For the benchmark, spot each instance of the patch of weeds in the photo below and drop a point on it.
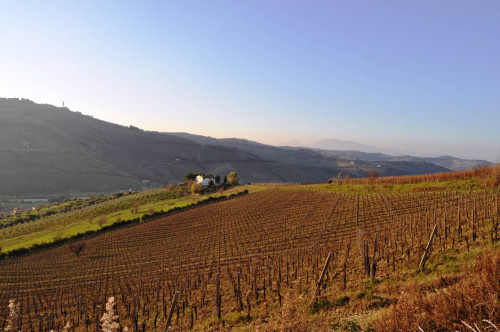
(372, 283)
(341, 301)
(325, 304)
(468, 256)
(362, 295)
(350, 325)
(445, 263)
(212, 321)
(379, 302)
(367, 292)
(447, 259)
(422, 273)
(234, 318)
(439, 283)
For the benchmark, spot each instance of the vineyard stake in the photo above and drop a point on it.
(217, 296)
(317, 291)
(171, 313)
(425, 256)
(240, 302)
(344, 266)
(40, 326)
(374, 261)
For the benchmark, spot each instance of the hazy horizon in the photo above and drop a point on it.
(419, 77)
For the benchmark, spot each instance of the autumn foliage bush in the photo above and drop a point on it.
(443, 307)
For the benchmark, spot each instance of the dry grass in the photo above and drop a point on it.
(293, 316)
(442, 306)
(491, 178)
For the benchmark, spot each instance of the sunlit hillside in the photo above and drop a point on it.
(350, 255)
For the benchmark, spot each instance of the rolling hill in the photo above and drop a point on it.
(47, 150)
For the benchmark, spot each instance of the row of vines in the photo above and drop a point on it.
(238, 256)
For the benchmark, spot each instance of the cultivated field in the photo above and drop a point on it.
(69, 218)
(256, 261)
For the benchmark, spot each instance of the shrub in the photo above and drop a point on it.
(195, 188)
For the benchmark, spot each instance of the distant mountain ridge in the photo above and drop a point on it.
(448, 162)
(452, 163)
(46, 150)
(356, 151)
(337, 144)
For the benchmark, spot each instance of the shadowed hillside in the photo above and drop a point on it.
(356, 165)
(51, 150)
(46, 149)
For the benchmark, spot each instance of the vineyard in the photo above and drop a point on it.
(278, 259)
(67, 219)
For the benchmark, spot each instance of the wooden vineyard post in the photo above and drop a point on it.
(240, 302)
(357, 212)
(374, 259)
(363, 248)
(317, 291)
(474, 236)
(171, 313)
(496, 221)
(459, 230)
(40, 325)
(255, 282)
(217, 296)
(445, 228)
(344, 266)
(97, 325)
(425, 256)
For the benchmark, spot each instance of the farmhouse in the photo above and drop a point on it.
(204, 180)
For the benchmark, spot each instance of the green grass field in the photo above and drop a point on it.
(353, 187)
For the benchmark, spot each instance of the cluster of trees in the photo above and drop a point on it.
(191, 185)
(214, 183)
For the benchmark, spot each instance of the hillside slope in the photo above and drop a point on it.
(346, 163)
(46, 149)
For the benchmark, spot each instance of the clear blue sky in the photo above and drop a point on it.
(421, 75)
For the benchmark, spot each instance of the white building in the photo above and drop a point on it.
(203, 180)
